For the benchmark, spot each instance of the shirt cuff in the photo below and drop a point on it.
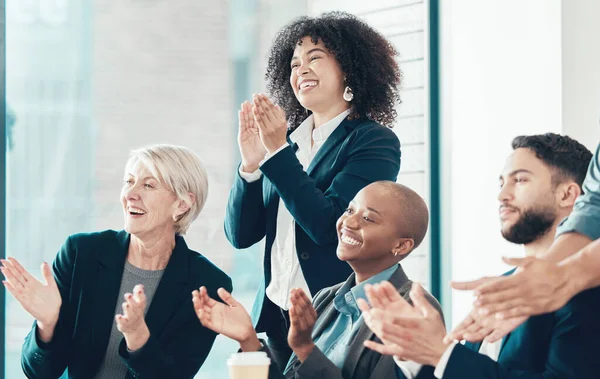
(270, 155)
(250, 177)
(441, 366)
(410, 369)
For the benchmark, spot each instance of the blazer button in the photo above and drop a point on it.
(304, 256)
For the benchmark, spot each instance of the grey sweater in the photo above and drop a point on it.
(112, 366)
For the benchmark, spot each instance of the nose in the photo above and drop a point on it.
(132, 193)
(350, 221)
(506, 193)
(303, 69)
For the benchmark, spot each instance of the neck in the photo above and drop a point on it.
(328, 113)
(367, 269)
(152, 252)
(542, 244)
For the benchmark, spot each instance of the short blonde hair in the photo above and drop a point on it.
(182, 171)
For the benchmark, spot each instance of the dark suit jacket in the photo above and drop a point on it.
(356, 154)
(564, 344)
(361, 363)
(88, 270)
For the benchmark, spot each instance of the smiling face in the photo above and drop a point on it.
(149, 207)
(316, 77)
(369, 232)
(528, 204)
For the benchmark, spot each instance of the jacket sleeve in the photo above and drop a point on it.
(585, 218)
(373, 155)
(49, 360)
(179, 357)
(245, 214)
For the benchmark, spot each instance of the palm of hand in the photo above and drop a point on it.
(251, 146)
(40, 300)
(231, 321)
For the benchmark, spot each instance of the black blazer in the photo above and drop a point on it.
(357, 153)
(361, 362)
(564, 344)
(88, 270)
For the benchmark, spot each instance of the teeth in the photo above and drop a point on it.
(136, 210)
(304, 85)
(349, 240)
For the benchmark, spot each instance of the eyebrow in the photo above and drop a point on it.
(146, 178)
(310, 52)
(515, 172)
(373, 210)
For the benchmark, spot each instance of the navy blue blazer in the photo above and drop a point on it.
(88, 271)
(563, 344)
(356, 154)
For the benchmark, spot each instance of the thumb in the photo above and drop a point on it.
(227, 298)
(518, 261)
(48, 275)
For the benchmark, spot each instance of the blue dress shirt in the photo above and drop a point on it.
(337, 337)
(585, 218)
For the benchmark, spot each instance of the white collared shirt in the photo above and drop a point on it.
(286, 272)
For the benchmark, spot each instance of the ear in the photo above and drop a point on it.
(183, 207)
(403, 247)
(567, 193)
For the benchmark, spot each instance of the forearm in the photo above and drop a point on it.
(245, 214)
(566, 245)
(583, 268)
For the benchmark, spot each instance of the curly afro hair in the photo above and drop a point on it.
(365, 56)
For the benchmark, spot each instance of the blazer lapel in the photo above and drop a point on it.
(333, 141)
(111, 263)
(171, 290)
(402, 284)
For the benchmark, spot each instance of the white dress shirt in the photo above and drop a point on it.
(286, 272)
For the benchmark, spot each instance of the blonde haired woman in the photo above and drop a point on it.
(116, 304)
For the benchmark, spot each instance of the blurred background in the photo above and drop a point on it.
(86, 81)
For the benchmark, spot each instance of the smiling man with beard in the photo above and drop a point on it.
(539, 184)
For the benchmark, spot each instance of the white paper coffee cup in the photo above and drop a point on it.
(250, 365)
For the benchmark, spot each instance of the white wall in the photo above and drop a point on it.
(581, 70)
(500, 77)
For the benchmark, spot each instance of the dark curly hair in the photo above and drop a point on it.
(365, 56)
(567, 157)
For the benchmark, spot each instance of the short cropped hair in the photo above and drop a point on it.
(568, 159)
(182, 171)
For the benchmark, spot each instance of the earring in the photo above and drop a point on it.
(395, 253)
(348, 95)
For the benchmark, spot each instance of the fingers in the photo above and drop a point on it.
(225, 296)
(388, 292)
(374, 297)
(12, 276)
(384, 349)
(139, 296)
(504, 283)
(363, 305)
(417, 295)
(504, 328)
(470, 285)
(500, 302)
(457, 333)
(48, 275)
(517, 311)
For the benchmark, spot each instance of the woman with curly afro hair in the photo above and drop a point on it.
(322, 135)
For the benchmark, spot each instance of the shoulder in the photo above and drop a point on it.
(204, 272)
(368, 133)
(93, 238)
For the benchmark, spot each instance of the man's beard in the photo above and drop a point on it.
(531, 225)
